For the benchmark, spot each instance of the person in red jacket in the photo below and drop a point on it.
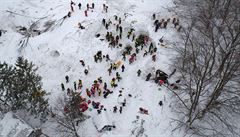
(161, 82)
(83, 107)
(93, 91)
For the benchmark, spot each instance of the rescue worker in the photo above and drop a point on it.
(154, 57)
(88, 92)
(62, 85)
(105, 86)
(139, 72)
(114, 109)
(120, 110)
(104, 22)
(118, 77)
(86, 71)
(110, 71)
(79, 84)
(82, 62)
(154, 16)
(123, 68)
(99, 92)
(160, 103)
(148, 76)
(113, 83)
(85, 13)
(75, 85)
(79, 5)
(107, 58)
(100, 80)
(67, 78)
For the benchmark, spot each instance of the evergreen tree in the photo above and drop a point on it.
(21, 88)
(29, 88)
(6, 83)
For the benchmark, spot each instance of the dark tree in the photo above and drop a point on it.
(209, 66)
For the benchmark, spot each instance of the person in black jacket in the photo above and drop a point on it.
(148, 77)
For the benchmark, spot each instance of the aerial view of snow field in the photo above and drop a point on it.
(119, 68)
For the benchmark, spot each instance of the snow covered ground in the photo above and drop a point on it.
(74, 44)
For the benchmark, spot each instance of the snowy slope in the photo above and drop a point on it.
(74, 44)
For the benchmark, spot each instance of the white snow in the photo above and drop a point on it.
(74, 44)
(11, 126)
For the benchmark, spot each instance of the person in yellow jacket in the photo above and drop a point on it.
(113, 83)
(99, 92)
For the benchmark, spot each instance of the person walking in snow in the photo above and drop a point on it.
(115, 109)
(69, 14)
(86, 71)
(145, 53)
(154, 58)
(124, 102)
(155, 22)
(113, 83)
(137, 50)
(106, 93)
(115, 17)
(160, 103)
(88, 6)
(139, 72)
(95, 58)
(107, 58)
(99, 92)
(105, 86)
(150, 47)
(62, 86)
(72, 3)
(154, 16)
(120, 110)
(110, 71)
(114, 66)
(118, 77)
(75, 85)
(93, 91)
(165, 24)
(106, 9)
(117, 27)
(104, 22)
(92, 5)
(148, 77)
(133, 37)
(120, 29)
(119, 20)
(79, 84)
(117, 39)
(79, 5)
(88, 93)
(131, 60)
(82, 62)
(123, 68)
(124, 56)
(68, 91)
(100, 80)
(72, 8)
(157, 26)
(67, 78)
(85, 13)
